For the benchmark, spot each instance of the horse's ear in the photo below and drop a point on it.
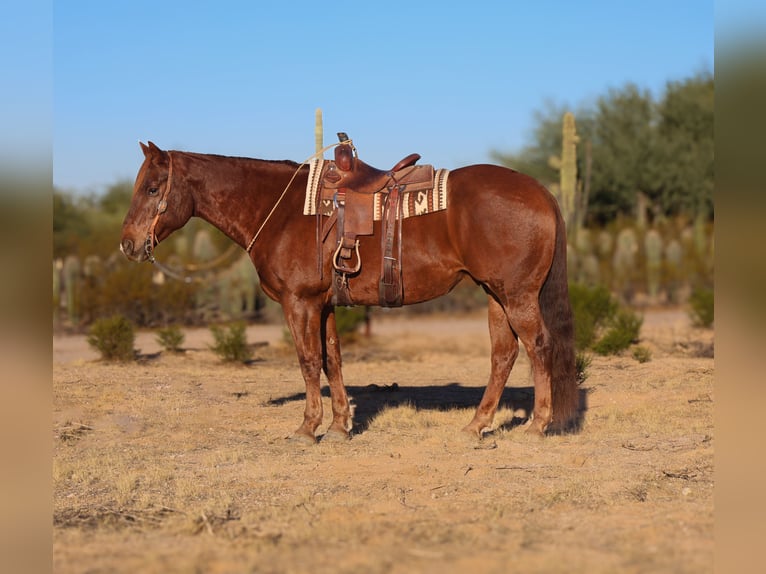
(153, 153)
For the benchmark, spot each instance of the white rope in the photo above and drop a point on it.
(289, 183)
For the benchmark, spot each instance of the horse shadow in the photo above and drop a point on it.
(369, 401)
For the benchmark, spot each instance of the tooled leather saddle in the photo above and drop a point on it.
(360, 194)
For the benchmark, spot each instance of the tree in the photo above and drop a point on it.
(623, 147)
(640, 148)
(686, 146)
(69, 224)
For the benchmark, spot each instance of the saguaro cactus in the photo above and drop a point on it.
(568, 173)
(674, 256)
(566, 164)
(624, 262)
(318, 131)
(653, 247)
(72, 287)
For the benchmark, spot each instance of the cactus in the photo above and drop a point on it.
(568, 171)
(204, 249)
(91, 267)
(590, 270)
(58, 264)
(624, 262)
(566, 165)
(604, 247)
(653, 248)
(318, 131)
(674, 255)
(72, 288)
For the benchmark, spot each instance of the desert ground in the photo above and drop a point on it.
(181, 463)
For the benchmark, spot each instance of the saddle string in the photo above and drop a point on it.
(289, 183)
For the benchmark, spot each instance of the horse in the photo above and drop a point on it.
(501, 228)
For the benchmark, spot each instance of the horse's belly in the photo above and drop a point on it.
(430, 266)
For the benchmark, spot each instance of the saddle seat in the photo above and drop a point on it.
(349, 172)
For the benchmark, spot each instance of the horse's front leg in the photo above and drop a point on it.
(304, 319)
(341, 410)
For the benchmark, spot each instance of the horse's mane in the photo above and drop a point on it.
(213, 156)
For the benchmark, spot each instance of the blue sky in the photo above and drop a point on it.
(449, 80)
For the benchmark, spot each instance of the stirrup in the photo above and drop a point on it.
(343, 268)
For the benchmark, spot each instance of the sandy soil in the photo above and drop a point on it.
(179, 463)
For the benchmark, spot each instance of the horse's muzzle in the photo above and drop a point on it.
(128, 247)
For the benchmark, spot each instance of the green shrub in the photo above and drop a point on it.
(231, 343)
(642, 354)
(600, 323)
(622, 332)
(702, 307)
(591, 307)
(582, 364)
(170, 338)
(348, 319)
(113, 337)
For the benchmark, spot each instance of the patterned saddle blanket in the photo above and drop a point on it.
(418, 198)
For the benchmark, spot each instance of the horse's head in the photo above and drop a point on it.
(158, 206)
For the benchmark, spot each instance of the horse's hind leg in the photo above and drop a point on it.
(505, 349)
(341, 410)
(527, 321)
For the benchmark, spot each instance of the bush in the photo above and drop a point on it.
(348, 319)
(702, 307)
(591, 307)
(600, 323)
(113, 337)
(582, 364)
(642, 354)
(622, 333)
(231, 343)
(170, 338)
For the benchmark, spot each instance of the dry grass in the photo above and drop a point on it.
(181, 464)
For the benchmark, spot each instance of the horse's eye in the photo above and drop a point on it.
(152, 191)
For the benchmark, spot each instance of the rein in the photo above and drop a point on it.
(162, 206)
(289, 183)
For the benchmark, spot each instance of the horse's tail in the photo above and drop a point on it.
(557, 314)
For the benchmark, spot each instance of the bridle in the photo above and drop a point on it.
(162, 206)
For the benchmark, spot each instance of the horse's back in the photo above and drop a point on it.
(477, 185)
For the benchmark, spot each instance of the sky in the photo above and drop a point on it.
(452, 81)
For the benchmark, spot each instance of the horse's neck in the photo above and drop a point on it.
(239, 193)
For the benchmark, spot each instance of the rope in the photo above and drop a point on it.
(289, 183)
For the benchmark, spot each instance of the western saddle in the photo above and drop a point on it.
(352, 185)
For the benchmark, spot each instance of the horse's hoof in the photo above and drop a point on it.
(336, 435)
(299, 437)
(470, 436)
(536, 429)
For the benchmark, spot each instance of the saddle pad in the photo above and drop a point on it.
(416, 202)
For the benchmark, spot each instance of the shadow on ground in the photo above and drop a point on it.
(371, 400)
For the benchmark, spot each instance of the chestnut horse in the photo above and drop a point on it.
(501, 228)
